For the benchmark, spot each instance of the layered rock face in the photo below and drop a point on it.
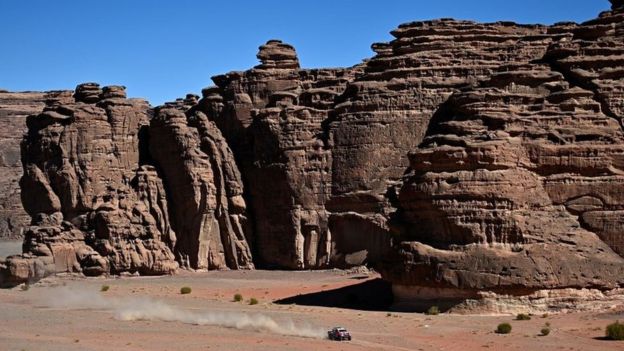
(386, 111)
(461, 158)
(205, 190)
(95, 206)
(273, 117)
(517, 185)
(14, 108)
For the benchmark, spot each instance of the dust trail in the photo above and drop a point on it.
(132, 309)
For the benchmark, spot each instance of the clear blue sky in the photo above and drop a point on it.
(161, 50)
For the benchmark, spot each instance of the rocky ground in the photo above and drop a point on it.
(52, 315)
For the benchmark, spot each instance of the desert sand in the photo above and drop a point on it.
(70, 313)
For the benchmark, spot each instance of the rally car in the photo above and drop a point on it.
(338, 334)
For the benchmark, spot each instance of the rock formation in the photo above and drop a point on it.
(14, 108)
(95, 206)
(273, 117)
(517, 185)
(205, 190)
(461, 158)
(385, 112)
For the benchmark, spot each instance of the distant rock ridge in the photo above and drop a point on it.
(462, 157)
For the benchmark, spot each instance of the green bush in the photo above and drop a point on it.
(253, 301)
(523, 317)
(185, 290)
(545, 331)
(615, 331)
(433, 311)
(238, 297)
(104, 288)
(503, 328)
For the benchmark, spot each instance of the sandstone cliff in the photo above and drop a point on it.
(14, 108)
(205, 190)
(517, 185)
(462, 157)
(273, 116)
(95, 207)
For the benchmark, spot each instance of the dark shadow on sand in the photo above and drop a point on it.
(371, 295)
(603, 338)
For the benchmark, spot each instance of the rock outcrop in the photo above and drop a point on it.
(96, 207)
(464, 160)
(14, 108)
(205, 190)
(385, 112)
(273, 117)
(517, 185)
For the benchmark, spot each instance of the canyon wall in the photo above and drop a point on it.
(462, 157)
(517, 185)
(14, 108)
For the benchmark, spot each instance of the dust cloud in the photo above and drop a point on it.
(133, 309)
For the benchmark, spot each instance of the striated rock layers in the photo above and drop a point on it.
(273, 117)
(114, 186)
(14, 108)
(461, 158)
(517, 185)
(205, 190)
(96, 207)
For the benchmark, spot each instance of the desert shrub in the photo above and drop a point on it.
(388, 314)
(523, 317)
(238, 297)
(545, 331)
(433, 310)
(25, 287)
(545, 315)
(104, 288)
(615, 331)
(185, 290)
(503, 328)
(253, 301)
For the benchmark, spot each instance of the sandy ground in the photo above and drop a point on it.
(29, 320)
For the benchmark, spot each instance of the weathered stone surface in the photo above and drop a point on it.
(277, 55)
(517, 185)
(386, 111)
(463, 157)
(14, 108)
(95, 209)
(205, 190)
(274, 118)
